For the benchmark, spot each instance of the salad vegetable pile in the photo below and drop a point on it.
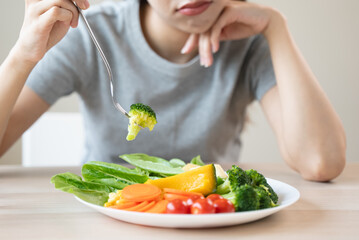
(157, 185)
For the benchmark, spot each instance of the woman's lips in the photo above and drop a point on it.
(196, 8)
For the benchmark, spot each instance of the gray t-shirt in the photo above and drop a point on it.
(200, 111)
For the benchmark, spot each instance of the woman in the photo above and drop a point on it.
(198, 64)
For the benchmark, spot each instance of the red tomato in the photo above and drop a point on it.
(223, 206)
(214, 196)
(202, 206)
(177, 206)
(193, 198)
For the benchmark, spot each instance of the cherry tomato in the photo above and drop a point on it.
(223, 206)
(214, 196)
(177, 206)
(203, 206)
(193, 198)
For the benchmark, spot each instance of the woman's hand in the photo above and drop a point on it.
(238, 20)
(45, 23)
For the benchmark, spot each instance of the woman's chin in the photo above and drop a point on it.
(196, 28)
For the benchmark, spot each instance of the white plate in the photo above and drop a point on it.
(286, 193)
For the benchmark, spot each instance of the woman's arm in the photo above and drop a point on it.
(310, 134)
(45, 23)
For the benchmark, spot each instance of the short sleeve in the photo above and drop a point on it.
(260, 68)
(63, 68)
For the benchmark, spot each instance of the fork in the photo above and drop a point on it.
(92, 35)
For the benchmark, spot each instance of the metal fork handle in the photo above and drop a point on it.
(92, 35)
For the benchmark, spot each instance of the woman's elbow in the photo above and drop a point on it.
(323, 167)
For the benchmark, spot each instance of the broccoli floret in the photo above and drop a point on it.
(244, 198)
(236, 178)
(248, 190)
(264, 199)
(140, 115)
(259, 180)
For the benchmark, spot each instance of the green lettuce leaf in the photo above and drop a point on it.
(197, 161)
(152, 164)
(95, 193)
(176, 162)
(112, 174)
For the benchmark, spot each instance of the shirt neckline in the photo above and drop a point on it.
(152, 58)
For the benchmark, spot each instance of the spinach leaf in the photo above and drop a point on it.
(151, 164)
(176, 162)
(145, 157)
(197, 161)
(95, 193)
(112, 174)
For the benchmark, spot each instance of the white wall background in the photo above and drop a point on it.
(327, 32)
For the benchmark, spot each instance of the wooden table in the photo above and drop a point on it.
(31, 208)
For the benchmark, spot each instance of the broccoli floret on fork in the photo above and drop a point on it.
(141, 116)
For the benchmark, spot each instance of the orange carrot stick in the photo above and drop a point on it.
(147, 207)
(159, 207)
(137, 206)
(124, 205)
(171, 196)
(140, 192)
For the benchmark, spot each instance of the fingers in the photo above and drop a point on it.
(205, 50)
(215, 37)
(203, 42)
(191, 43)
(50, 17)
(217, 31)
(83, 4)
(45, 5)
